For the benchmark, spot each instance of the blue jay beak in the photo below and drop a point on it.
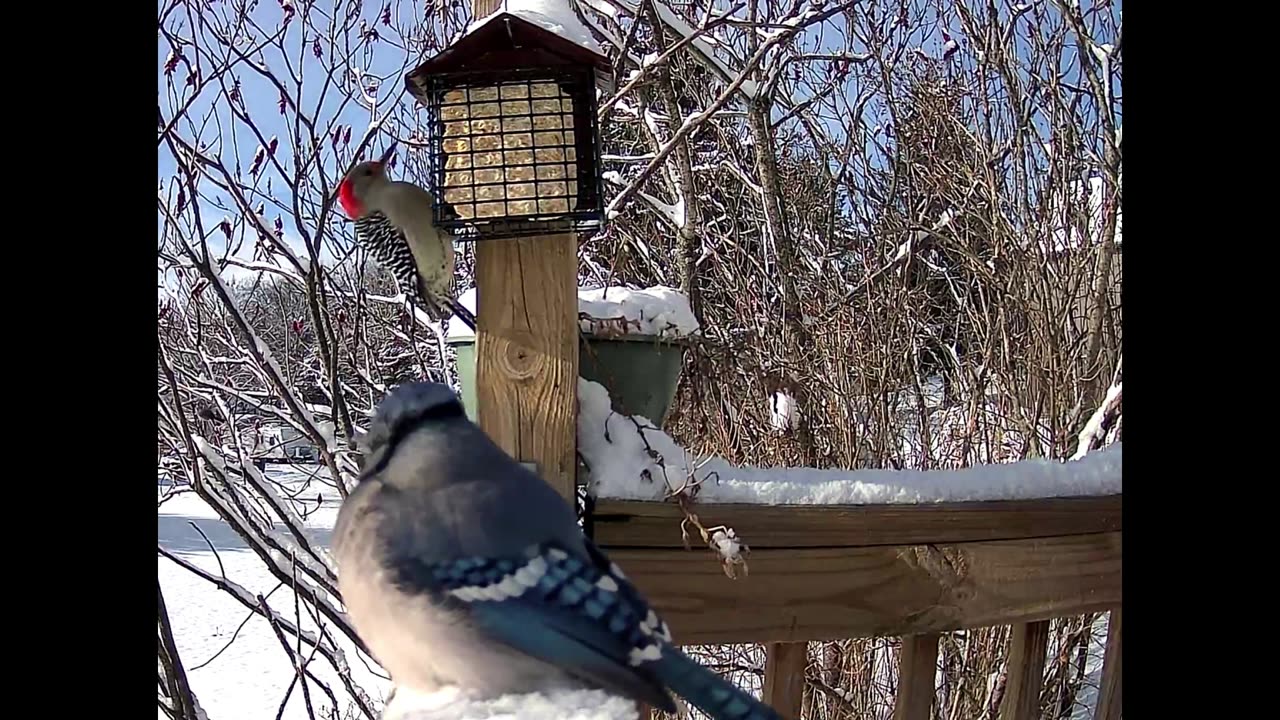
(386, 154)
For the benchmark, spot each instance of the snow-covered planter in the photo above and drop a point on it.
(633, 344)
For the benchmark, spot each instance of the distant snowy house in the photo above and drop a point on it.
(283, 442)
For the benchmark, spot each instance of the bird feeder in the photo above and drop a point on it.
(514, 146)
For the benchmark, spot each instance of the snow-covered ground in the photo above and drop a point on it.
(236, 667)
(1087, 699)
(235, 664)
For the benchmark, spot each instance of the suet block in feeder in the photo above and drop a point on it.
(512, 133)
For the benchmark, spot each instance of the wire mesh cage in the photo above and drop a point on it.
(514, 153)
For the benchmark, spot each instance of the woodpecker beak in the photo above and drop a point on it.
(386, 154)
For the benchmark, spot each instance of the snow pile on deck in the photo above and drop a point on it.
(450, 704)
(555, 16)
(631, 459)
(610, 311)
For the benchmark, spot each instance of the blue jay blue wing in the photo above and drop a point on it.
(572, 612)
(711, 693)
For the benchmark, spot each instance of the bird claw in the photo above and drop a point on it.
(436, 309)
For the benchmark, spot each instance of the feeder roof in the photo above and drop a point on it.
(528, 33)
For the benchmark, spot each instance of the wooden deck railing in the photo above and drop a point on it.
(835, 572)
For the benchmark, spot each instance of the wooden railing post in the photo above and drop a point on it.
(784, 668)
(1109, 693)
(1027, 649)
(917, 672)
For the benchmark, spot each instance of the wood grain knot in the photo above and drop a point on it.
(947, 567)
(520, 362)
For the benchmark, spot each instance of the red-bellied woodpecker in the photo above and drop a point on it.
(393, 222)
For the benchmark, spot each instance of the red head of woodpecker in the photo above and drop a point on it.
(364, 178)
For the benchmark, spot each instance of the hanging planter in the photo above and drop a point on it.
(632, 343)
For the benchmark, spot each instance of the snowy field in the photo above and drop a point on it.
(235, 664)
(237, 668)
(1087, 700)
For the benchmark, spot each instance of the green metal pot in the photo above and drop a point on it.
(640, 372)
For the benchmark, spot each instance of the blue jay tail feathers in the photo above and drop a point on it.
(707, 691)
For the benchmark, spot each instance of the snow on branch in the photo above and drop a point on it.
(265, 362)
(553, 704)
(705, 51)
(793, 25)
(649, 63)
(282, 555)
(672, 213)
(1100, 422)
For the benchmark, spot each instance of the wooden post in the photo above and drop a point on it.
(784, 666)
(917, 671)
(1109, 693)
(1026, 671)
(527, 351)
(527, 345)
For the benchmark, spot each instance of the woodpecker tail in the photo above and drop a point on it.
(462, 312)
(707, 691)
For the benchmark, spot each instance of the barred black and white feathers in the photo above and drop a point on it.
(390, 248)
(452, 554)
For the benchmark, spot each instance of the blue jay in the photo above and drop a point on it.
(458, 566)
